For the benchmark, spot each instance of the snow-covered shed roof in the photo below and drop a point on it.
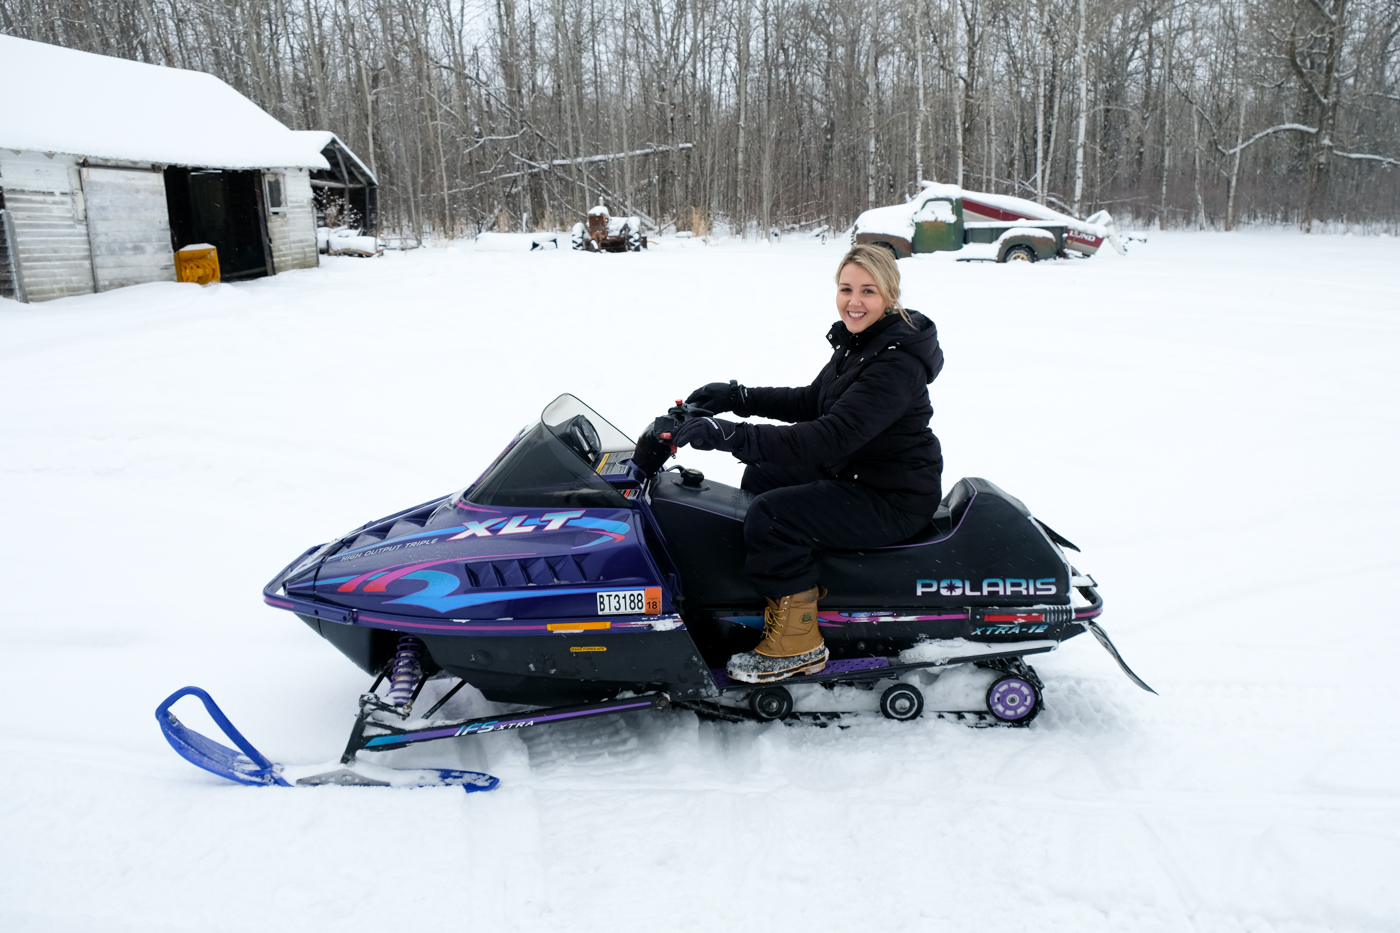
(77, 103)
(316, 142)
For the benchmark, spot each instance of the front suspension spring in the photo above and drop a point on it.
(406, 670)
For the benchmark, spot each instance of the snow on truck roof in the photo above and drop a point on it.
(898, 219)
(78, 103)
(1011, 204)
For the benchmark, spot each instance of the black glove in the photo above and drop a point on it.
(652, 449)
(717, 434)
(720, 397)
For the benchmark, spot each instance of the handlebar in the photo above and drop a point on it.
(654, 447)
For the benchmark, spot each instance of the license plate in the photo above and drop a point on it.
(630, 602)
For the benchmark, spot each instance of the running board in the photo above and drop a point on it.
(975, 719)
(854, 670)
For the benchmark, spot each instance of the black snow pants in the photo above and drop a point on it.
(798, 512)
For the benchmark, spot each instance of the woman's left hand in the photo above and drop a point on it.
(720, 397)
(717, 434)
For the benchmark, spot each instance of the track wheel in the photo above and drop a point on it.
(770, 703)
(1013, 700)
(902, 702)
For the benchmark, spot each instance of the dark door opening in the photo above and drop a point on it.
(223, 209)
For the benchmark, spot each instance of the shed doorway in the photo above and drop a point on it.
(223, 209)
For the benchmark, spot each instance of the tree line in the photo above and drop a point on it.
(768, 116)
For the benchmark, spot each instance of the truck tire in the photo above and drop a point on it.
(1019, 253)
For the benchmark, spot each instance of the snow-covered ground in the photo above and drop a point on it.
(1213, 419)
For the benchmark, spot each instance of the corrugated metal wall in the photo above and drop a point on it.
(128, 225)
(9, 281)
(293, 230)
(48, 221)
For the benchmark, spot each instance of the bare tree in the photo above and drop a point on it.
(794, 113)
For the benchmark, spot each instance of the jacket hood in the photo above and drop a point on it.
(919, 339)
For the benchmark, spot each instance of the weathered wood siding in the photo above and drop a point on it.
(293, 231)
(49, 222)
(128, 225)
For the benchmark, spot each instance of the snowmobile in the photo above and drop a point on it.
(579, 577)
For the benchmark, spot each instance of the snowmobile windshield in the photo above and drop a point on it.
(557, 461)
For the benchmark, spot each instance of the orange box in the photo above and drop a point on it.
(198, 263)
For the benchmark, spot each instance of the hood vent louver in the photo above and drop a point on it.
(567, 570)
(407, 524)
(362, 539)
(517, 573)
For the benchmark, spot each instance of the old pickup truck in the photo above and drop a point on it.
(989, 227)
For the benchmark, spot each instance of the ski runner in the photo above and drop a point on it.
(855, 467)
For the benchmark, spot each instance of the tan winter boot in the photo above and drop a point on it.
(792, 642)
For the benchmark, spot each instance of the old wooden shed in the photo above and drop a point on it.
(348, 179)
(108, 166)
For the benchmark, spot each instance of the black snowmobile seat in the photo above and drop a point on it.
(733, 503)
(704, 531)
(945, 520)
(985, 535)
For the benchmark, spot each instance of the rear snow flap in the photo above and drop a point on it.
(1102, 636)
(1058, 538)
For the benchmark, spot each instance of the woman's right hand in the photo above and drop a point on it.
(720, 397)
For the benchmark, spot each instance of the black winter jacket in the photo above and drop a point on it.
(866, 415)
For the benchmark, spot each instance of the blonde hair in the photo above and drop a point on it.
(880, 263)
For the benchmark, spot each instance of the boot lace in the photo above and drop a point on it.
(772, 622)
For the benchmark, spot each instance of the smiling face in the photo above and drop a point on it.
(858, 298)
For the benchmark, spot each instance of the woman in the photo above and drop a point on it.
(856, 467)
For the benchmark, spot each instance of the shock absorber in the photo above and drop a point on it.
(406, 671)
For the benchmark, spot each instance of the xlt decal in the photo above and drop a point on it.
(991, 586)
(516, 525)
(607, 530)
